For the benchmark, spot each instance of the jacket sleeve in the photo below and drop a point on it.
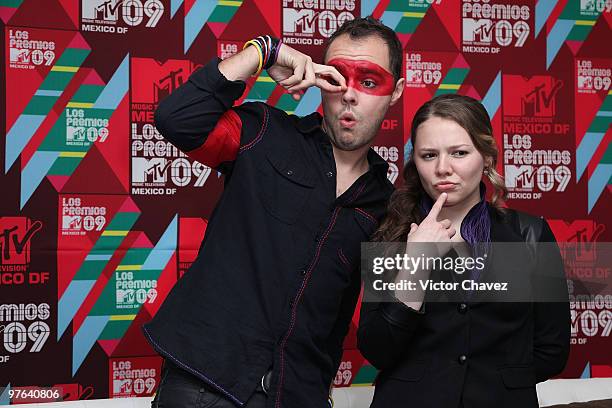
(199, 120)
(385, 329)
(552, 318)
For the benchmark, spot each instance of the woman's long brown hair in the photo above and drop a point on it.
(403, 208)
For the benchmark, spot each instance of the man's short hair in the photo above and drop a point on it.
(367, 26)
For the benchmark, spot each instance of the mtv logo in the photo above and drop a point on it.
(19, 56)
(299, 21)
(585, 82)
(168, 83)
(582, 235)
(122, 386)
(535, 97)
(73, 223)
(480, 30)
(15, 237)
(125, 296)
(150, 170)
(101, 9)
(587, 5)
(414, 76)
(519, 176)
(75, 133)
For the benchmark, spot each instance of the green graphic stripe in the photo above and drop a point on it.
(64, 166)
(408, 25)
(11, 3)
(579, 33)
(40, 105)
(223, 14)
(72, 57)
(89, 94)
(287, 103)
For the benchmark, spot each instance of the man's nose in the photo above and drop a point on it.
(350, 95)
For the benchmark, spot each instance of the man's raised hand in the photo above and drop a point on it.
(296, 72)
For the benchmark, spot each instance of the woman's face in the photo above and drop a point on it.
(447, 161)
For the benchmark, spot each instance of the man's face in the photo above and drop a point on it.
(352, 118)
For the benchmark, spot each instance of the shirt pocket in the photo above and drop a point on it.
(285, 186)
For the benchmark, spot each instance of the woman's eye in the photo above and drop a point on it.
(460, 153)
(426, 156)
(368, 83)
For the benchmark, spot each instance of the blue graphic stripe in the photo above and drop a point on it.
(555, 39)
(85, 338)
(163, 250)
(310, 102)
(117, 87)
(367, 7)
(597, 182)
(33, 173)
(48, 92)
(585, 151)
(99, 257)
(391, 18)
(69, 303)
(492, 99)
(607, 114)
(19, 136)
(586, 373)
(542, 12)
(196, 18)
(174, 6)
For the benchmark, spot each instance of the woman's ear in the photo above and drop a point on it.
(398, 91)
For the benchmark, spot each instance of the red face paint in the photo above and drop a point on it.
(365, 76)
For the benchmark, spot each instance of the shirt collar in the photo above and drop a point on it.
(311, 125)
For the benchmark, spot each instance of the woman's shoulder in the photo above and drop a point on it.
(527, 225)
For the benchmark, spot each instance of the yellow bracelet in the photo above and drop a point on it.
(260, 54)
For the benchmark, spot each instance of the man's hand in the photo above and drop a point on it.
(296, 72)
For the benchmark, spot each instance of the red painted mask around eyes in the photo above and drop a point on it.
(365, 76)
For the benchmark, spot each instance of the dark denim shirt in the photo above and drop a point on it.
(277, 278)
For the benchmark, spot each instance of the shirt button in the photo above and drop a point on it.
(329, 174)
(462, 359)
(289, 172)
(462, 307)
(303, 272)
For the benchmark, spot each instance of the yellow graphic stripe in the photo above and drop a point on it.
(264, 79)
(231, 3)
(585, 22)
(449, 86)
(61, 68)
(129, 268)
(117, 233)
(72, 154)
(123, 317)
(413, 14)
(79, 105)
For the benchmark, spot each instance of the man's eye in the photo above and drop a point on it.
(368, 83)
(333, 81)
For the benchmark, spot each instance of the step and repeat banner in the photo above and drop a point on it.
(101, 215)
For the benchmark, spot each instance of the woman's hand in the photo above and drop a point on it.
(296, 72)
(433, 231)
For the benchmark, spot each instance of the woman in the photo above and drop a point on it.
(463, 353)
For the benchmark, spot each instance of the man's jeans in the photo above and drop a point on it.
(180, 389)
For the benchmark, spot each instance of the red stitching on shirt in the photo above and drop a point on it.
(295, 304)
(259, 136)
(367, 215)
(343, 258)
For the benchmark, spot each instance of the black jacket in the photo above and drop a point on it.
(276, 279)
(481, 354)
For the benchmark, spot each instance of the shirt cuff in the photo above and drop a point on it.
(210, 79)
(401, 315)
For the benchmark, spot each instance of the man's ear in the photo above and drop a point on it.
(398, 91)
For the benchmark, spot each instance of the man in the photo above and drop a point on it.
(260, 317)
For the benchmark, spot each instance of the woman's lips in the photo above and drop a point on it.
(445, 186)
